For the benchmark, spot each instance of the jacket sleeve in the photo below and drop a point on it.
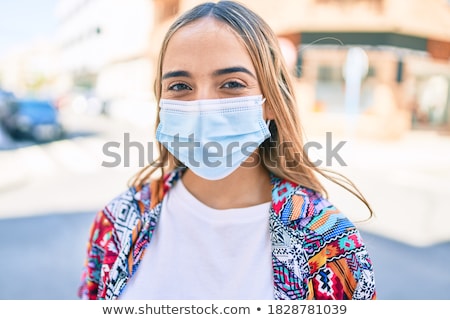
(100, 236)
(342, 269)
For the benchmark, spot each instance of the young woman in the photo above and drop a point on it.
(237, 211)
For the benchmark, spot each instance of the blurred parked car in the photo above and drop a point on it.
(6, 97)
(33, 119)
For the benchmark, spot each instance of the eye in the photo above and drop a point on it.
(179, 87)
(233, 85)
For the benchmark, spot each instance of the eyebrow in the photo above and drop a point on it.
(233, 70)
(182, 73)
(173, 74)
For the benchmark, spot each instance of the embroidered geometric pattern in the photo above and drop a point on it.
(317, 253)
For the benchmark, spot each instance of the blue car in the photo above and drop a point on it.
(33, 119)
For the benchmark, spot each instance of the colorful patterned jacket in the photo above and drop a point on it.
(317, 253)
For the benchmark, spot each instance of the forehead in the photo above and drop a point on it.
(205, 42)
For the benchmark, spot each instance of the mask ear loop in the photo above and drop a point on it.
(268, 121)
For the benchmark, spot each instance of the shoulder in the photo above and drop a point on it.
(119, 208)
(121, 213)
(320, 215)
(294, 203)
(302, 208)
(136, 201)
(116, 214)
(123, 202)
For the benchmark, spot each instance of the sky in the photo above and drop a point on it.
(22, 21)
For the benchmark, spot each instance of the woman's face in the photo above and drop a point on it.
(206, 60)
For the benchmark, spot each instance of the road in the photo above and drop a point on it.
(49, 194)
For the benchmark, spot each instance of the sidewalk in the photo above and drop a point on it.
(11, 175)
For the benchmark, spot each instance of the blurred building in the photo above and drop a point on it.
(109, 49)
(104, 46)
(30, 69)
(406, 82)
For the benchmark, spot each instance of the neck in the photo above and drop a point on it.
(243, 188)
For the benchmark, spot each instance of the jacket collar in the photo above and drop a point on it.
(286, 195)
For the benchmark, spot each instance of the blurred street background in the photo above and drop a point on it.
(76, 79)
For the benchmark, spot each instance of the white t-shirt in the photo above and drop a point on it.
(198, 252)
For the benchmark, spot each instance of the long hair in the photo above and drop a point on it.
(283, 153)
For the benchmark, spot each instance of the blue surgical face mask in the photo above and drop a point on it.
(212, 137)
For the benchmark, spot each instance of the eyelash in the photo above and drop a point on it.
(236, 85)
(173, 86)
(227, 85)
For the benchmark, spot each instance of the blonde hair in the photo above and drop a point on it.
(283, 154)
